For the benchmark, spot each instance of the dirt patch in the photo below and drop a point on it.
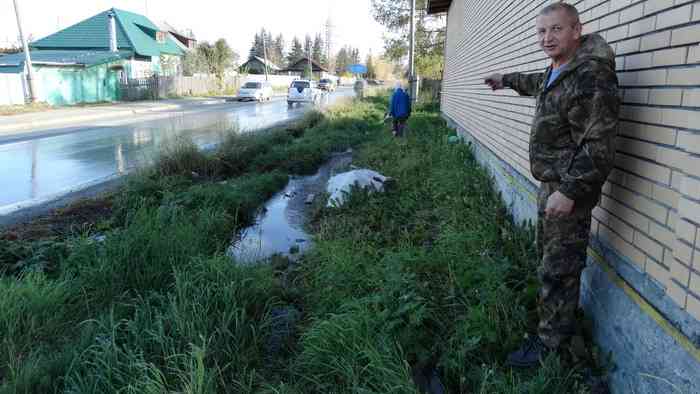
(78, 217)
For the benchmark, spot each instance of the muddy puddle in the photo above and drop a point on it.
(280, 227)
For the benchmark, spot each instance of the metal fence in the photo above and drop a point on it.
(136, 89)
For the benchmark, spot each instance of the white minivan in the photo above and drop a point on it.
(303, 91)
(259, 91)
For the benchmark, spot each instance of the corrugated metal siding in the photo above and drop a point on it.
(11, 88)
(650, 211)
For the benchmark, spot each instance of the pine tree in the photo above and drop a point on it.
(278, 50)
(371, 72)
(318, 52)
(296, 51)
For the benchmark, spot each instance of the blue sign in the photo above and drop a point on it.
(357, 69)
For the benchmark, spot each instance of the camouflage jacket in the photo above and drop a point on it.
(572, 140)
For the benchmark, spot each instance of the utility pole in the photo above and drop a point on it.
(27, 57)
(311, 66)
(412, 54)
(264, 53)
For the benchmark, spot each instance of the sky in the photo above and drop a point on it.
(235, 20)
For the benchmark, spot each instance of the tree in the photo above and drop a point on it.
(342, 61)
(296, 51)
(308, 45)
(217, 58)
(430, 34)
(278, 48)
(318, 51)
(371, 73)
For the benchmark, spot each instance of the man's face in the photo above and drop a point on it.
(558, 35)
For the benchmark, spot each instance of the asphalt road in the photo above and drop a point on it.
(45, 164)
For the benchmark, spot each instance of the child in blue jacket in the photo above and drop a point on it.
(399, 109)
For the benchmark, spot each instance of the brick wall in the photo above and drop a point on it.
(650, 210)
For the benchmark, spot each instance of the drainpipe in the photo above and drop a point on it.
(27, 58)
(112, 32)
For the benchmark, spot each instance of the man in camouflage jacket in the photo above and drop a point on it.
(572, 148)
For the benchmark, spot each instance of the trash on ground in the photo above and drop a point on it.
(340, 185)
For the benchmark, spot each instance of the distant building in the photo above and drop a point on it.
(256, 65)
(183, 39)
(301, 66)
(85, 62)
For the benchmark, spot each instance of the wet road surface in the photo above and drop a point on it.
(38, 168)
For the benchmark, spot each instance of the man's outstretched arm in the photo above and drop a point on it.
(524, 84)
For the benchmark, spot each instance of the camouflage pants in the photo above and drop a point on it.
(561, 245)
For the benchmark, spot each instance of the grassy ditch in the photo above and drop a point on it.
(430, 273)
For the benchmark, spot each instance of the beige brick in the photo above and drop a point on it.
(666, 196)
(691, 165)
(656, 40)
(630, 216)
(666, 97)
(676, 179)
(688, 209)
(696, 14)
(642, 60)
(621, 228)
(685, 35)
(693, 306)
(686, 231)
(670, 57)
(637, 96)
(638, 185)
(632, 13)
(680, 273)
(642, 114)
(660, 135)
(617, 34)
(693, 54)
(648, 246)
(689, 142)
(671, 157)
(642, 26)
(609, 21)
(676, 117)
(594, 227)
(672, 219)
(684, 76)
(638, 148)
(652, 6)
(663, 235)
(644, 168)
(691, 97)
(690, 187)
(657, 271)
(623, 247)
(694, 283)
(673, 17)
(628, 46)
(683, 252)
(677, 293)
(651, 78)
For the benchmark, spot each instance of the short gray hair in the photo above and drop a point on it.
(569, 9)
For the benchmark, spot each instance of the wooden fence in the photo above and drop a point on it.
(155, 88)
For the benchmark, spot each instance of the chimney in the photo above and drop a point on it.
(112, 32)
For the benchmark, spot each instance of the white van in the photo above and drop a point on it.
(303, 91)
(260, 91)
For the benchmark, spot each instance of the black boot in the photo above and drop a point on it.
(530, 354)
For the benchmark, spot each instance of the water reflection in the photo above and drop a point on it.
(43, 167)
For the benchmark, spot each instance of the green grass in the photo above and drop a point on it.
(433, 271)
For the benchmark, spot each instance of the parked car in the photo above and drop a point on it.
(260, 91)
(327, 85)
(303, 91)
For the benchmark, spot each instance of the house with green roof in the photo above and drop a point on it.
(86, 62)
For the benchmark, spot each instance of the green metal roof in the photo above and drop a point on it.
(64, 58)
(134, 32)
